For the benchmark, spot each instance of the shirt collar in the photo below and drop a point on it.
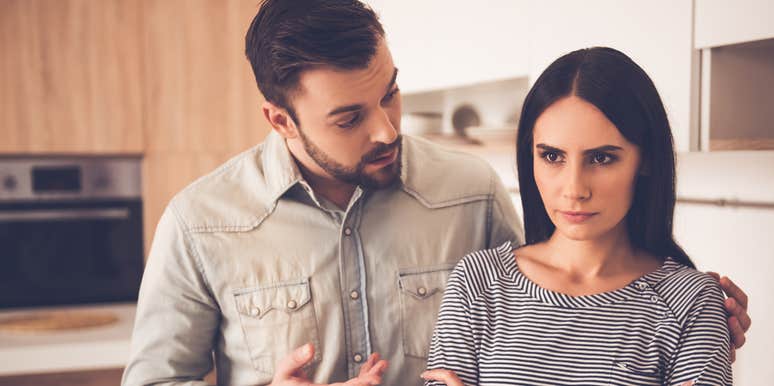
(282, 172)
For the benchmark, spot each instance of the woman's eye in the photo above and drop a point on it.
(551, 157)
(602, 158)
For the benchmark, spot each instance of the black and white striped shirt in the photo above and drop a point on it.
(496, 327)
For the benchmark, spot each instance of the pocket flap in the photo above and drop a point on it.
(422, 283)
(257, 302)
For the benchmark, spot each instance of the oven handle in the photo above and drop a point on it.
(64, 214)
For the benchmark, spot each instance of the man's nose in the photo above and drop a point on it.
(382, 129)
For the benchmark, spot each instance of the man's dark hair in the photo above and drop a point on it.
(617, 86)
(287, 37)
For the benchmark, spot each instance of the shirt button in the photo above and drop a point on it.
(422, 291)
(255, 311)
(347, 231)
(642, 286)
(654, 299)
(292, 305)
(357, 358)
(354, 295)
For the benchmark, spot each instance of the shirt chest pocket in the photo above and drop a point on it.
(276, 319)
(629, 373)
(421, 291)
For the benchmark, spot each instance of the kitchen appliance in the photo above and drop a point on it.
(70, 231)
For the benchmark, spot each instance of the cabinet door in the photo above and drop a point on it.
(722, 22)
(70, 74)
(200, 93)
(445, 43)
(655, 34)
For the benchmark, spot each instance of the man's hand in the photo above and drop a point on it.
(736, 304)
(289, 370)
(448, 377)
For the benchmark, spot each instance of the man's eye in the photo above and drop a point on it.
(387, 98)
(352, 122)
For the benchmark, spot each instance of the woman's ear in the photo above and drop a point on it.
(280, 120)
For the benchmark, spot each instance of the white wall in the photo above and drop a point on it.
(735, 242)
(444, 43)
(656, 34)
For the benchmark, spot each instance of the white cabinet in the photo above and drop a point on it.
(655, 34)
(438, 44)
(723, 22)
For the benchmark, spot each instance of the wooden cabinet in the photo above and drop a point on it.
(70, 73)
(201, 104)
(200, 94)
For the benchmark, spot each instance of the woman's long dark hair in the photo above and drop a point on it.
(611, 81)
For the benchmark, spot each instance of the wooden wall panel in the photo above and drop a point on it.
(200, 100)
(70, 76)
(201, 95)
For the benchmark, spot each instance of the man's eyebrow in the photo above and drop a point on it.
(355, 107)
(345, 109)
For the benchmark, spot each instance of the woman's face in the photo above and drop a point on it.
(584, 168)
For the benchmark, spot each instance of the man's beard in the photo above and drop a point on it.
(356, 175)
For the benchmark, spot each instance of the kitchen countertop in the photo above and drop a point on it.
(72, 350)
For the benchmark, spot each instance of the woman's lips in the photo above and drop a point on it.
(577, 217)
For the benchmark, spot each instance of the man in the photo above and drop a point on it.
(335, 231)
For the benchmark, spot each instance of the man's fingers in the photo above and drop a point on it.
(369, 363)
(715, 275)
(736, 332)
(733, 291)
(740, 313)
(293, 362)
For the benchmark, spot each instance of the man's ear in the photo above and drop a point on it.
(280, 120)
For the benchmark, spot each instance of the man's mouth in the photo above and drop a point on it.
(385, 159)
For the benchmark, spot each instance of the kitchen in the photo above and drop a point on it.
(165, 83)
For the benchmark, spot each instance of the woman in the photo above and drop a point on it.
(600, 293)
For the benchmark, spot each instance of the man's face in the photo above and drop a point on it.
(349, 121)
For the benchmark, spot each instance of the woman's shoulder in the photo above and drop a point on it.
(684, 288)
(485, 265)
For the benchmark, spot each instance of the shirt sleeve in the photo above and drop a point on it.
(505, 224)
(177, 316)
(702, 355)
(454, 343)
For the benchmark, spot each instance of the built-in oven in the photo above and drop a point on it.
(70, 231)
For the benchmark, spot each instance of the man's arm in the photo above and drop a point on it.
(177, 316)
(505, 224)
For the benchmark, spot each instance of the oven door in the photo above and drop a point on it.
(55, 253)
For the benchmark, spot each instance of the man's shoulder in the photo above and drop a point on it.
(233, 197)
(439, 176)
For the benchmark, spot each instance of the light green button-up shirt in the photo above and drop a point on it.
(248, 263)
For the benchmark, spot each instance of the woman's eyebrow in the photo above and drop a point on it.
(605, 148)
(549, 148)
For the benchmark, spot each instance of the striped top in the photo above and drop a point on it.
(496, 327)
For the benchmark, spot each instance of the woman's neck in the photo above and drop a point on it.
(604, 256)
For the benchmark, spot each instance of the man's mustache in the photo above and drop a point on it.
(380, 149)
